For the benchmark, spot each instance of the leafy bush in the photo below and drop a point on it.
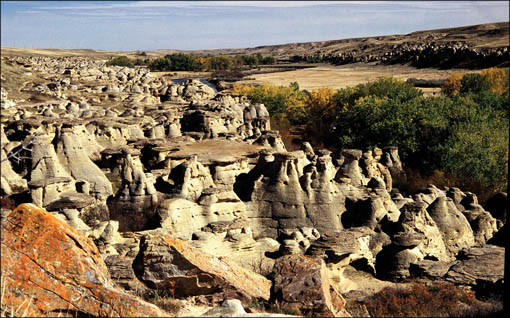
(498, 78)
(182, 62)
(474, 83)
(437, 300)
(160, 64)
(175, 62)
(320, 108)
(121, 61)
(221, 63)
(494, 80)
(249, 60)
(452, 84)
(461, 140)
(139, 61)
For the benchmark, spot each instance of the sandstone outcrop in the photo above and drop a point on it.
(5, 103)
(301, 282)
(424, 54)
(168, 263)
(345, 247)
(478, 264)
(48, 268)
(11, 182)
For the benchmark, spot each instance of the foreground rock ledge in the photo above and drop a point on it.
(173, 263)
(50, 269)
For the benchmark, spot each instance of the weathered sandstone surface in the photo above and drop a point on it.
(50, 269)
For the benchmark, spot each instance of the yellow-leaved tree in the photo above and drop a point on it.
(452, 84)
(320, 109)
(204, 62)
(498, 79)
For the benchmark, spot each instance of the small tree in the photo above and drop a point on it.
(474, 83)
(221, 63)
(452, 84)
(160, 64)
(121, 61)
(183, 62)
(498, 78)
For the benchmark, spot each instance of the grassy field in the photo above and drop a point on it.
(337, 77)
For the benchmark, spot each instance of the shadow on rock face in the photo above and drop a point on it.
(243, 187)
(134, 216)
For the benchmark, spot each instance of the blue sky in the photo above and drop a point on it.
(149, 25)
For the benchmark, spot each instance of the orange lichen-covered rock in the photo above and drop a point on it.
(50, 269)
(170, 263)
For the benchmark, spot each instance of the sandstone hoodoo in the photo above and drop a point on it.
(133, 185)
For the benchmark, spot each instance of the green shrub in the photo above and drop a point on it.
(221, 63)
(461, 140)
(139, 61)
(190, 62)
(474, 83)
(160, 64)
(182, 62)
(121, 61)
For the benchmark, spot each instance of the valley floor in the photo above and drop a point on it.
(342, 76)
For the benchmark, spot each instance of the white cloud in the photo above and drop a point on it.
(30, 12)
(192, 4)
(426, 5)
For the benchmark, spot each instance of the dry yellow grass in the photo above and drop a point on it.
(337, 77)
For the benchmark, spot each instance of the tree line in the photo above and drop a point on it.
(195, 63)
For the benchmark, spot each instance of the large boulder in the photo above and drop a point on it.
(478, 264)
(301, 282)
(49, 269)
(168, 263)
(347, 246)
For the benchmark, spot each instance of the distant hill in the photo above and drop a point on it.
(481, 36)
(487, 44)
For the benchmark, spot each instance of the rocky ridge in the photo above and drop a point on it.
(138, 164)
(474, 46)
